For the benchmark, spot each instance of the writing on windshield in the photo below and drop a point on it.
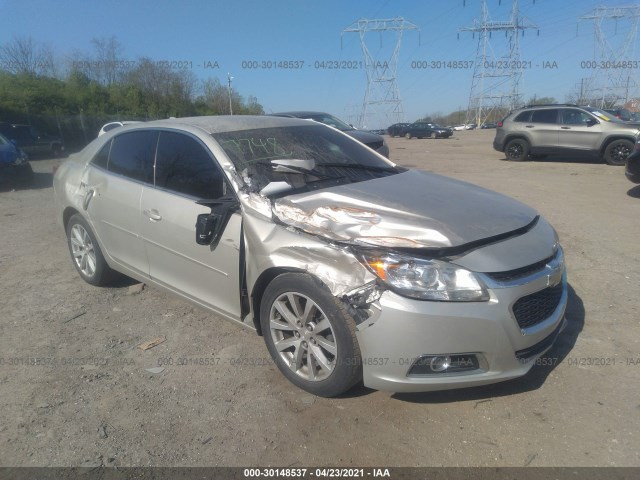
(254, 149)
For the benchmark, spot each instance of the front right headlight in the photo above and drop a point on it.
(425, 279)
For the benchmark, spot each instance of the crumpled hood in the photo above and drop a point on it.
(412, 209)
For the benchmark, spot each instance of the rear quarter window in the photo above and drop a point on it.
(523, 117)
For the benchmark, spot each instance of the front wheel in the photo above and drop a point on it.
(86, 254)
(617, 152)
(517, 150)
(310, 335)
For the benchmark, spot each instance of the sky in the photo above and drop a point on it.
(234, 37)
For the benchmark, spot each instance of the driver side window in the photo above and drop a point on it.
(572, 116)
(185, 166)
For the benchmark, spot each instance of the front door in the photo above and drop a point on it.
(186, 172)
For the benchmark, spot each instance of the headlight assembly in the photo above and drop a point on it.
(425, 279)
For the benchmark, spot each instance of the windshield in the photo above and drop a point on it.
(4, 140)
(602, 115)
(315, 157)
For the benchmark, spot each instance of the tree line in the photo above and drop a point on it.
(103, 85)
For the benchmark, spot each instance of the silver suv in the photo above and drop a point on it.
(564, 129)
(351, 267)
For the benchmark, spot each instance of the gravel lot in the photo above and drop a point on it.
(74, 389)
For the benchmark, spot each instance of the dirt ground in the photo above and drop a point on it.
(75, 390)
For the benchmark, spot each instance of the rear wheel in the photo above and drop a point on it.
(86, 254)
(517, 150)
(617, 152)
(310, 335)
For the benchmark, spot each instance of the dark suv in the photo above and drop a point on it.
(32, 142)
(564, 129)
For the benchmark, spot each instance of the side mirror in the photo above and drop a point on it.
(205, 228)
(209, 226)
(591, 122)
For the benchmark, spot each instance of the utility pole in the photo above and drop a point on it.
(496, 80)
(229, 78)
(382, 97)
(610, 82)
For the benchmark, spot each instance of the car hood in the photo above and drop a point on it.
(364, 137)
(413, 209)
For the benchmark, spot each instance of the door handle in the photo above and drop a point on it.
(530, 126)
(153, 215)
(566, 128)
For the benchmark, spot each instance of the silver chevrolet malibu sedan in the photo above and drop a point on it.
(352, 268)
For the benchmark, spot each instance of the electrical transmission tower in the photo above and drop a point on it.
(496, 79)
(381, 104)
(611, 82)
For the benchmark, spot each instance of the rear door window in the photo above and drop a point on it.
(132, 155)
(545, 116)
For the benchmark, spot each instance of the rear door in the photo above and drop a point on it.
(185, 172)
(543, 129)
(114, 183)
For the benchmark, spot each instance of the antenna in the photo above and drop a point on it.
(382, 97)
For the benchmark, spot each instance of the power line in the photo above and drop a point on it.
(496, 80)
(382, 104)
(611, 83)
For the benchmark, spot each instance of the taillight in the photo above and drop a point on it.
(500, 123)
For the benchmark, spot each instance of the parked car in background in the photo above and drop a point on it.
(31, 141)
(458, 127)
(397, 129)
(371, 140)
(15, 169)
(632, 170)
(351, 267)
(470, 126)
(426, 130)
(564, 129)
(620, 113)
(111, 125)
(485, 126)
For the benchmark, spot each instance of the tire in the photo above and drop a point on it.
(86, 254)
(517, 150)
(310, 335)
(617, 152)
(407, 135)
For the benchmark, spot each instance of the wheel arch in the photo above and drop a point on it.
(260, 286)
(613, 138)
(67, 214)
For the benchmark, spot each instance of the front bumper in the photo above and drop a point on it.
(401, 330)
(632, 170)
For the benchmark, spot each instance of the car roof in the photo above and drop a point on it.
(224, 123)
(299, 113)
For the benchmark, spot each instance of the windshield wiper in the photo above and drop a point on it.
(360, 166)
